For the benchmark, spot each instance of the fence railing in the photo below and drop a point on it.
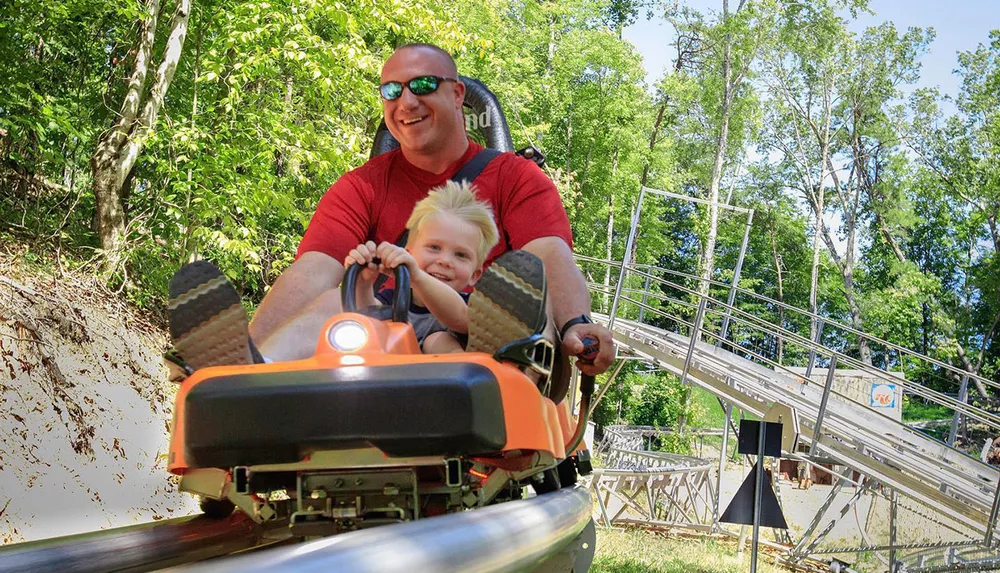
(670, 300)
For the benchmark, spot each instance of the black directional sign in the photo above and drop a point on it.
(740, 510)
(750, 430)
(755, 503)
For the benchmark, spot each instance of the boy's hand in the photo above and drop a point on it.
(392, 256)
(364, 255)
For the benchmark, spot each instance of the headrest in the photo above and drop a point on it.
(483, 118)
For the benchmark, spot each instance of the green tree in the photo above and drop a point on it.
(960, 160)
(118, 148)
(737, 40)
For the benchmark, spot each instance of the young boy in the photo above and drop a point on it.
(450, 235)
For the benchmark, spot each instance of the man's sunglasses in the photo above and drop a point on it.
(422, 85)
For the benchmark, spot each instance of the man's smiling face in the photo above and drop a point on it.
(423, 124)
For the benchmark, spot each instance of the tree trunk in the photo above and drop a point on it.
(864, 349)
(846, 267)
(992, 221)
(823, 138)
(708, 254)
(971, 369)
(107, 176)
(814, 274)
(551, 52)
(887, 235)
(110, 215)
(118, 149)
(586, 167)
(849, 206)
(925, 328)
(781, 293)
(652, 140)
(188, 251)
(569, 135)
(609, 251)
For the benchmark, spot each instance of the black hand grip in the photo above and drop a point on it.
(401, 297)
(400, 300)
(591, 348)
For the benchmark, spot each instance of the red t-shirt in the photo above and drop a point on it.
(374, 202)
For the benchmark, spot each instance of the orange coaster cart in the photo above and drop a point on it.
(370, 430)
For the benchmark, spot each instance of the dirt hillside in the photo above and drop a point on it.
(84, 409)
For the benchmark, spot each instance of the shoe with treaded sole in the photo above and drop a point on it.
(508, 303)
(208, 323)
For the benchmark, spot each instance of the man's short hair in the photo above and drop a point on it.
(458, 200)
(453, 67)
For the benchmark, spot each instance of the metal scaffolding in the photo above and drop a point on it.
(906, 466)
(722, 347)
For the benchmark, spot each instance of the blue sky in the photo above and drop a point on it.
(960, 25)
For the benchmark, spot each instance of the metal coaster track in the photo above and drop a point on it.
(716, 345)
(145, 547)
(544, 533)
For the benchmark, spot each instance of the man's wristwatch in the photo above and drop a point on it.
(582, 319)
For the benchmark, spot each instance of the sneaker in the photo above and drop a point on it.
(508, 303)
(208, 324)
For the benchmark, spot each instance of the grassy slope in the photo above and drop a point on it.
(637, 551)
(707, 411)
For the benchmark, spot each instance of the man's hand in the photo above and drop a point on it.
(572, 345)
(364, 255)
(569, 298)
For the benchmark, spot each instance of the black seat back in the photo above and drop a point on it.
(484, 121)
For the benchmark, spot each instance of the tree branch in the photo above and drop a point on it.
(164, 75)
(137, 79)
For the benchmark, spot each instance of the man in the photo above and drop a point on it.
(374, 201)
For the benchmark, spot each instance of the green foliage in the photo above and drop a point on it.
(661, 401)
(916, 410)
(619, 400)
(275, 99)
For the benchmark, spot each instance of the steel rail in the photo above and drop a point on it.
(830, 322)
(651, 488)
(768, 328)
(511, 536)
(145, 547)
(761, 325)
(911, 386)
(656, 464)
(956, 372)
(916, 388)
(848, 456)
(926, 470)
(899, 547)
(987, 564)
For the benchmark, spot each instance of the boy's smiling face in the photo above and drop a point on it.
(446, 248)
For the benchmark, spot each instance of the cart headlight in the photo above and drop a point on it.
(347, 336)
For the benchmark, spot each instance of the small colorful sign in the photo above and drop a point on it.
(883, 396)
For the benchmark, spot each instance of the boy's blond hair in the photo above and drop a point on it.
(459, 200)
